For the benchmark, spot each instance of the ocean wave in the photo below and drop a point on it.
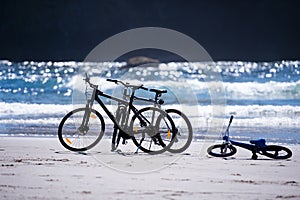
(275, 83)
(235, 93)
(26, 111)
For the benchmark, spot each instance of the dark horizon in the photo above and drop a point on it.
(50, 30)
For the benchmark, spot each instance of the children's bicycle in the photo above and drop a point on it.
(82, 128)
(256, 146)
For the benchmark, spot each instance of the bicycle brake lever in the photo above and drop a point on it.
(144, 88)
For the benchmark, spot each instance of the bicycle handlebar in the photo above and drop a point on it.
(226, 135)
(158, 92)
(87, 80)
(144, 88)
(127, 84)
(112, 80)
(231, 118)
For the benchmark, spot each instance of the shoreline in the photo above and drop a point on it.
(40, 168)
(198, 138)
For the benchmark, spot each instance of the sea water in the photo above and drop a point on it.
(264, 97)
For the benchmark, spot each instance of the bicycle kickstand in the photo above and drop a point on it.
(137, 151)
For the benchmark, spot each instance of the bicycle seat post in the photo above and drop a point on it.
(156, 96)
(156, 100)
(132, 95)
(125, 91)
(158, 93)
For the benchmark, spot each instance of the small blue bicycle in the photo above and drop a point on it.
(256, 146)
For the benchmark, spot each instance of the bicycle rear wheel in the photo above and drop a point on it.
(276, 152)
(73, 137)
(221, 150)
(151, 130)
(183, 129)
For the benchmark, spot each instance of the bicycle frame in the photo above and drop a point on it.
(250, 147)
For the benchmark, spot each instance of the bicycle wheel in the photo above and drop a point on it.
(276, 152)
(183, 129)
(151, 130)
(73, 138)
(221, 150)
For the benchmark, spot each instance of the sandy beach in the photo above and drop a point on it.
(40, 168)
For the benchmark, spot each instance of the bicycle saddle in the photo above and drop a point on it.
(259, 142)
(158, 91)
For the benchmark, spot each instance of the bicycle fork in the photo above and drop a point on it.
(83, 129)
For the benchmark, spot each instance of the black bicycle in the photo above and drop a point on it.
(256, 146)
(183, 127)
(82, 128)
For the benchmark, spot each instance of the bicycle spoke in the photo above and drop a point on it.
(80, 139)
(150, 145)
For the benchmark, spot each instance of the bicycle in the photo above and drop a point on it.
(82, 128)
(183, 127)
(256, 146)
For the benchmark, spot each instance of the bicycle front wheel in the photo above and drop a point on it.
(183, 129)
(276, 152)
(74, 137)
(221, 150)
(151, 130)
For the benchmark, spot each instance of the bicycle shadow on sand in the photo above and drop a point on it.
(248, 159)
(78, 153)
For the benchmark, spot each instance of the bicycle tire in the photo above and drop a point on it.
(184, 131)
(75, 141)
(221, 147)
(272, 151)
(148, 133)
